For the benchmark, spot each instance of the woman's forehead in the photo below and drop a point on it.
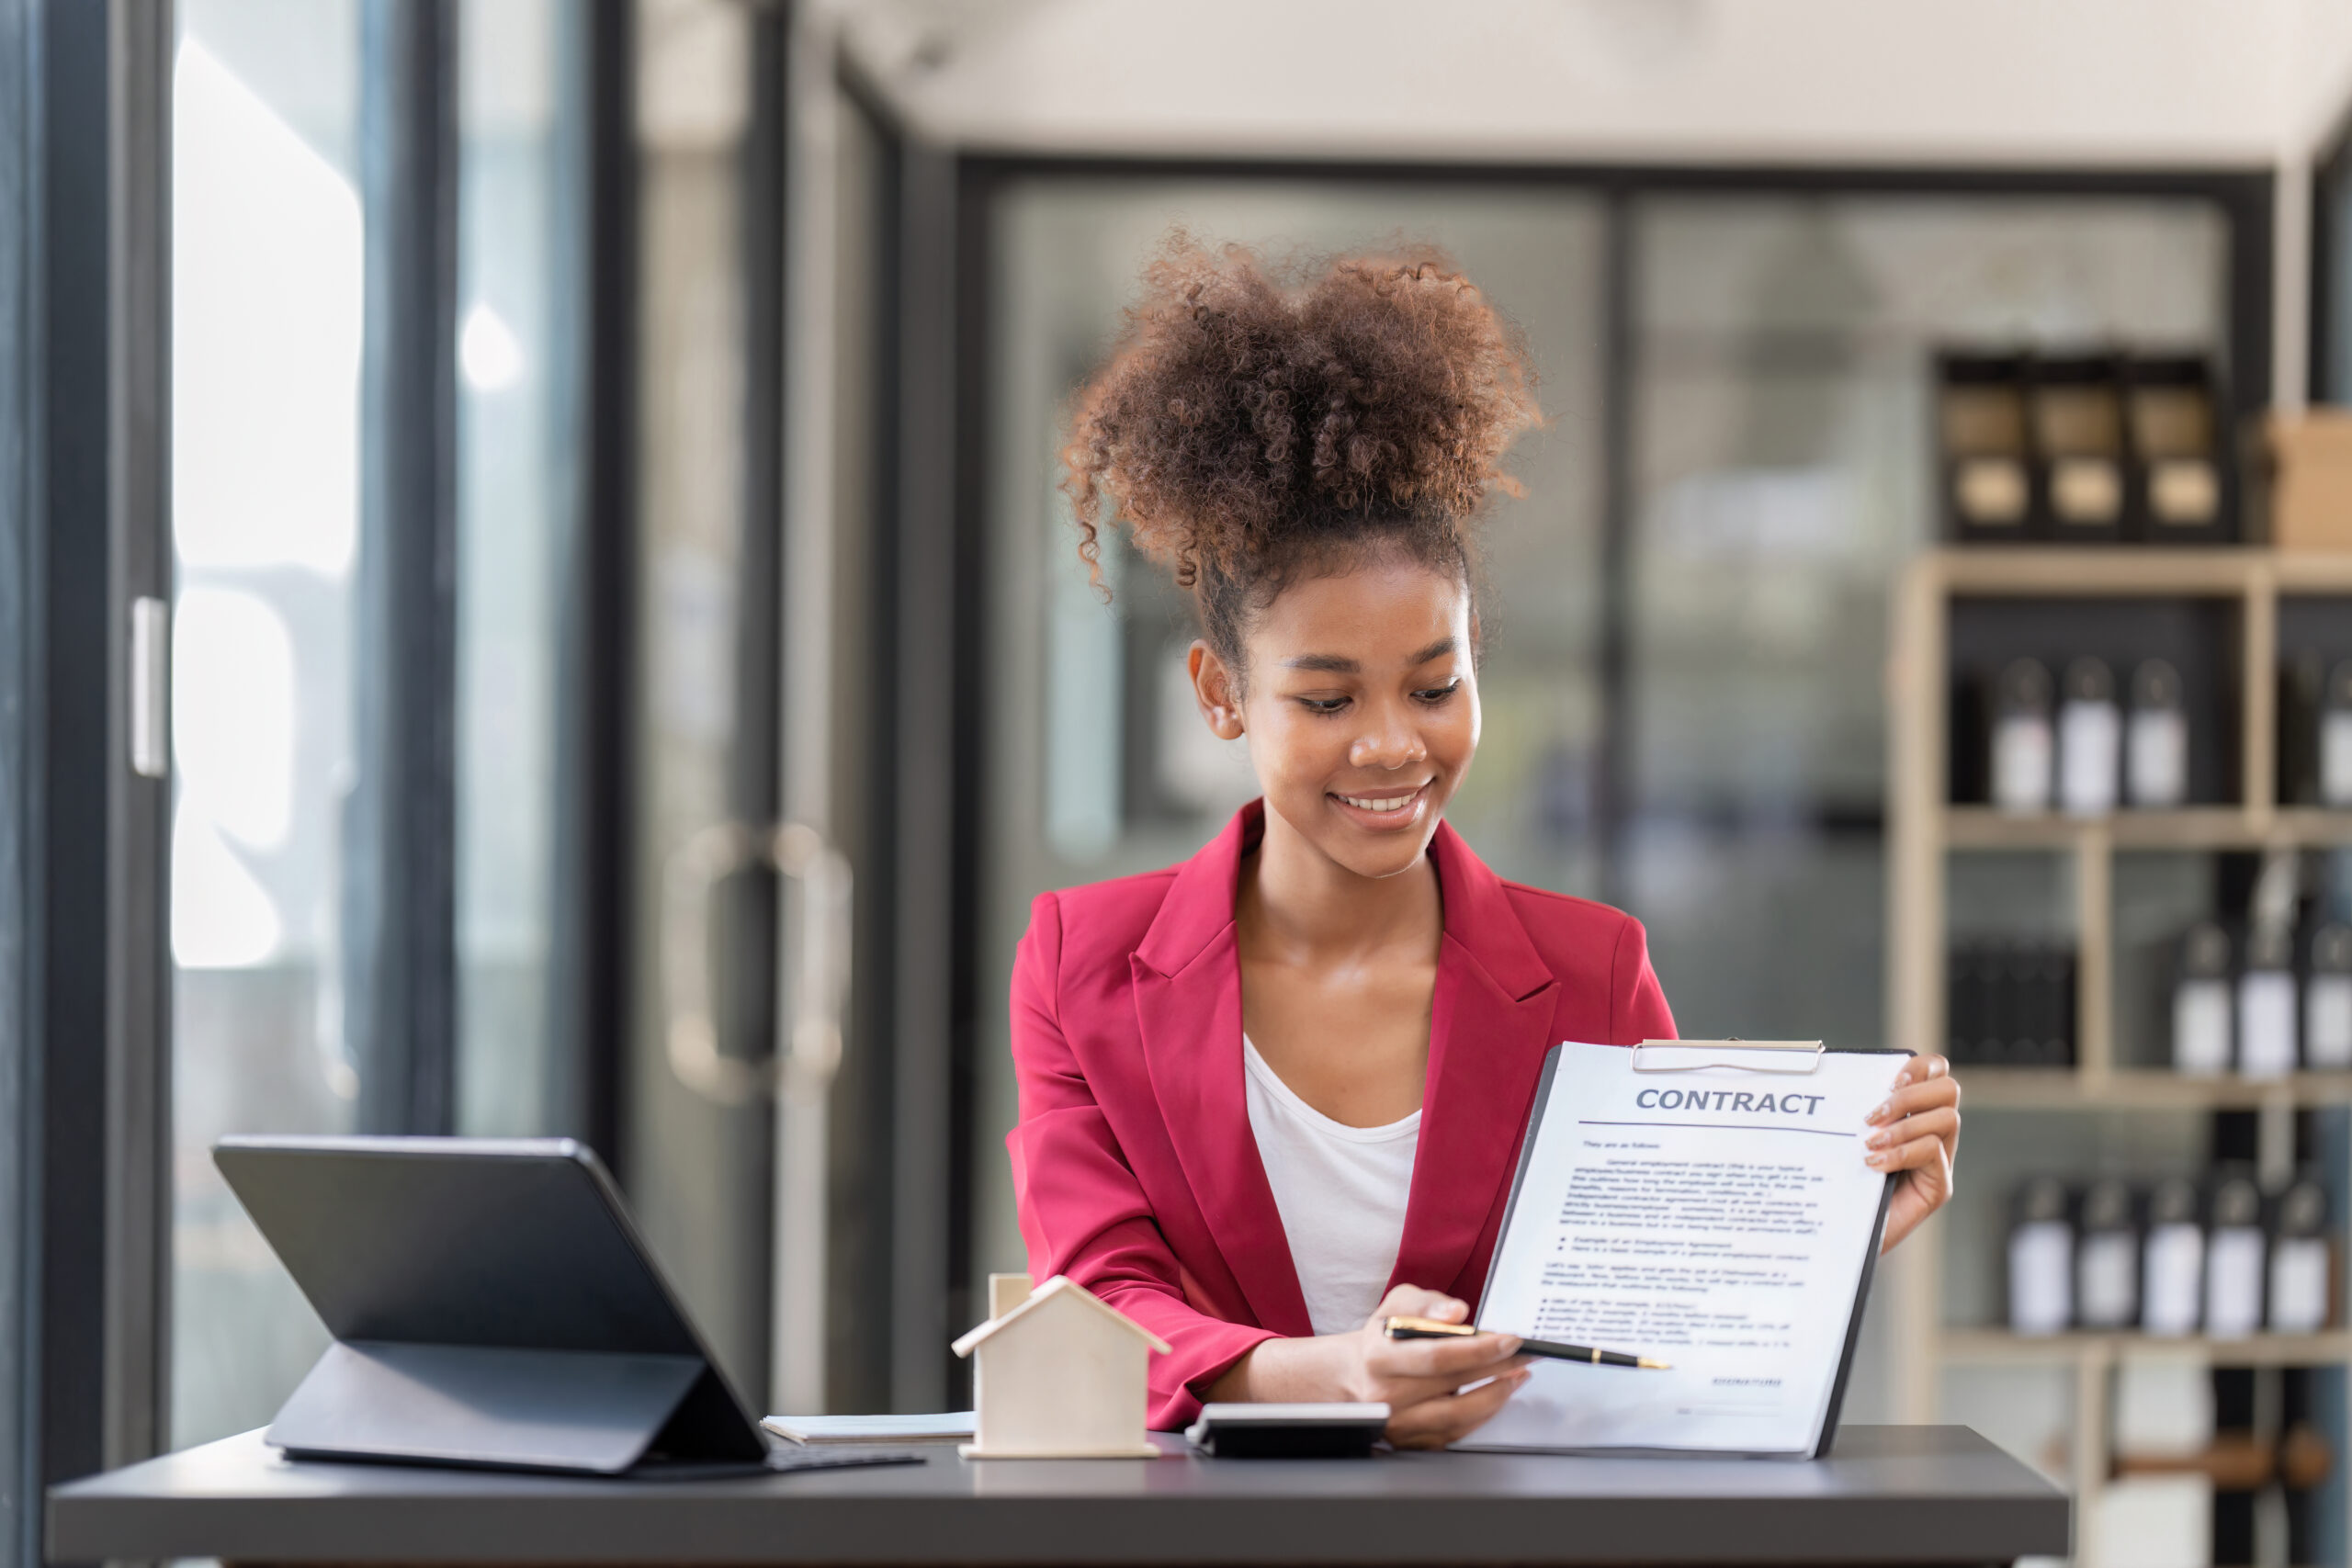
(1379, 614)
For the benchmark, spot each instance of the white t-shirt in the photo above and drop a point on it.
(1342, 1192)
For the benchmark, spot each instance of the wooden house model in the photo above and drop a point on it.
(1059, 1375)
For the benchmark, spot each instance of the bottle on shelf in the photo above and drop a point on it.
(2315, 731)
(2172, 1260)
(2200, 1002)
(2267, 1044)
(2090, 736)
(2022, 743)
(2156, 741)
(2334, 749)
(2327, 1000)
(2301, 1258)
(2235, 1248)
(2106, 1258)
(2041, 1259)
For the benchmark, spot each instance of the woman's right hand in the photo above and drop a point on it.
(1417, 1378)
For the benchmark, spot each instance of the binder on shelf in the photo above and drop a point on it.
(2181, 488)
(2077, 428)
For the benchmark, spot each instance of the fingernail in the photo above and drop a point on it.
(1878, 1112)
(1878, 1140)
(1878, 1159)
(1511, 1344)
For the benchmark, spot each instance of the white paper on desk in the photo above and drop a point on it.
(1717, 1218)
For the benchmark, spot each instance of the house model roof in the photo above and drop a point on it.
(1060, 1285)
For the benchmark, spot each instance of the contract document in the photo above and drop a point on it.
(1704, 1205)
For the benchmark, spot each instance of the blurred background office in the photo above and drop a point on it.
(536, 604)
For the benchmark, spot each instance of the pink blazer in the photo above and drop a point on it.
(1132, 1165)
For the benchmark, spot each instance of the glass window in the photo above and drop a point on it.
(265, 354)
(516, 500)
(1781, 476)
(268, 315)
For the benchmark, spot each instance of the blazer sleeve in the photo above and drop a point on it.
(1637, 1009)
(1083, 1211)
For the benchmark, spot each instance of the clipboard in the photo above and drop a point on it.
(1786, 1057)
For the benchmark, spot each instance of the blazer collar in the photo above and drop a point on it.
(1199, 906)
(1187, 973)
(1489, 1023)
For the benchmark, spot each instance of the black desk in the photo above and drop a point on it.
(1888, 1494)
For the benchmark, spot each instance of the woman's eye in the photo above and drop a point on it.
(1323, 704)
(1438, 694)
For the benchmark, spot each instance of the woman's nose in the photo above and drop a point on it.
(1393, 745)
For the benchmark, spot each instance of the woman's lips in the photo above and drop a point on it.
(1387, 807)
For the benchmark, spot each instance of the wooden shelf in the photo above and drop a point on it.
(2191, 827)
(2147, 1089)
(1924, 830)
(2222, 572)
(1994, 1346)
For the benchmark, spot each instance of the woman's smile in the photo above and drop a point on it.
(1384, 809)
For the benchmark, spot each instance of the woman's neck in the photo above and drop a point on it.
(1297, 901)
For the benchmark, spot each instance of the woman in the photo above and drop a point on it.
(1275, 1093)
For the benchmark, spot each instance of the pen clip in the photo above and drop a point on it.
(1424, 1328)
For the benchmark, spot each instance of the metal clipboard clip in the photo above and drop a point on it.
(1793, 1056)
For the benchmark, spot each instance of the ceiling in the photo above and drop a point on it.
(2222, 83)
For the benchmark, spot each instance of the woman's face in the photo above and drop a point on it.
(1361, 706)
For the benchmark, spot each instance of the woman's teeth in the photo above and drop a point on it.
(1392, 803)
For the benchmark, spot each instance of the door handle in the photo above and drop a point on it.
(816, 972)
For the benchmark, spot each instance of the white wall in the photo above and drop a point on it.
(2022, 82)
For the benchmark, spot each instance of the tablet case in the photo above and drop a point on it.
(492, 1306)
(1869, 1258)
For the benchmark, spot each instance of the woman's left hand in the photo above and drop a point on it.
(1916, 1133)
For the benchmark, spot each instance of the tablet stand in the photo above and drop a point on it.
(586, 1412)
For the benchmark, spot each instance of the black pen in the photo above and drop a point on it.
(1431, 1329)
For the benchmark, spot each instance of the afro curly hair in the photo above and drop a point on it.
(1256, 421)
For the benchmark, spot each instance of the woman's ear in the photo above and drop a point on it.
(1215, 690)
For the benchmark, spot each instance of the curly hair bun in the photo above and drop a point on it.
(1252, 414)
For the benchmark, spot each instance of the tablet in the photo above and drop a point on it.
(492, 1305)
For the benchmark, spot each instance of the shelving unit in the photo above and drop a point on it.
(1926, 831)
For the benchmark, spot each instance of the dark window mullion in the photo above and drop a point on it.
(590, 1004)
(400, 839)
(138, 981)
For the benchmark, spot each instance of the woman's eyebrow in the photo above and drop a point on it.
(1340, 664)
(1437, 649)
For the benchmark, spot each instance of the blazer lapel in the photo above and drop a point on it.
(1490, 1023)
(1187, 976)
